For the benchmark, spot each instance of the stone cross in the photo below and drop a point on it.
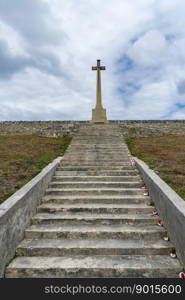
(99, 113)
(98, 68)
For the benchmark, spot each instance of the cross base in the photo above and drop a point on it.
(99, 115)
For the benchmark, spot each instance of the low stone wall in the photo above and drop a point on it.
(41, 128)
(63, 128)
(170, 206)
(147, 128)
(16, 213)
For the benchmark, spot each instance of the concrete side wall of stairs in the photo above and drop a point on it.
(170, 206)
(16, 213)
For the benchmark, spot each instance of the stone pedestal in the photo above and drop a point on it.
(99, 115)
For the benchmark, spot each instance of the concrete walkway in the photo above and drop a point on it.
(95, 219)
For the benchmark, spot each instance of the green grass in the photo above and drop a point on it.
(164, 154)
(24, 156)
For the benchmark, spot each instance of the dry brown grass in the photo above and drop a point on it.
(24, 156)
(164, 154)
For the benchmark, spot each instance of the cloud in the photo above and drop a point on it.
(47, 49)
(10, 64)
(32, 19)
(149, 50)
(181, 87)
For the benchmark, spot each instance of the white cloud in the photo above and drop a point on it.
(48, 48)
(149, 50)
(153, 101)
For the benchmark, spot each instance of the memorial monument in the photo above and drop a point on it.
(99, 113)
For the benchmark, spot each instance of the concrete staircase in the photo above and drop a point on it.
(94, 220)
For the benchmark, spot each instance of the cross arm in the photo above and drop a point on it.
(100, 68)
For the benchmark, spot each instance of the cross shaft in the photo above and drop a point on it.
(98, 68)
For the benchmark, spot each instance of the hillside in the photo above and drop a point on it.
(165, 155)
(24, 156)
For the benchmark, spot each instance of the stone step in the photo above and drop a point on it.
(86, 167)
(62, 247)
(98, 219)
(95, 208)
(95, 147)
(96, 156)
(86, 185)
(97, 140)
(95, 159)
(96, 199)
(98, 133)
(95, 191)
(93, 231)
(94, 151)
(125, 266)
(96, 178)
(86, 163)
(94, 133)
(97, 172)
(119, 142)
(98, 144)
(96, 162)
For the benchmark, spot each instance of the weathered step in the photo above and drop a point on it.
(125, 266)
(98, 219)
(60, 247)
(82, 185)
(99, 148)
(96, 156)
(96, 199)
(96, 178)
(95, 208)
(97, 172)
(98, 139)
(86, 167)
(92, 231)
(94, 166)
(95, 191)
(93, 158)
(93, 152)
(96, 161)
(94, 132)
(95, 145)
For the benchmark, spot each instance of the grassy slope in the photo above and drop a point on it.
(164, 154)
(24, 156)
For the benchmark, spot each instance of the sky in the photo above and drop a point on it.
(48, 48)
